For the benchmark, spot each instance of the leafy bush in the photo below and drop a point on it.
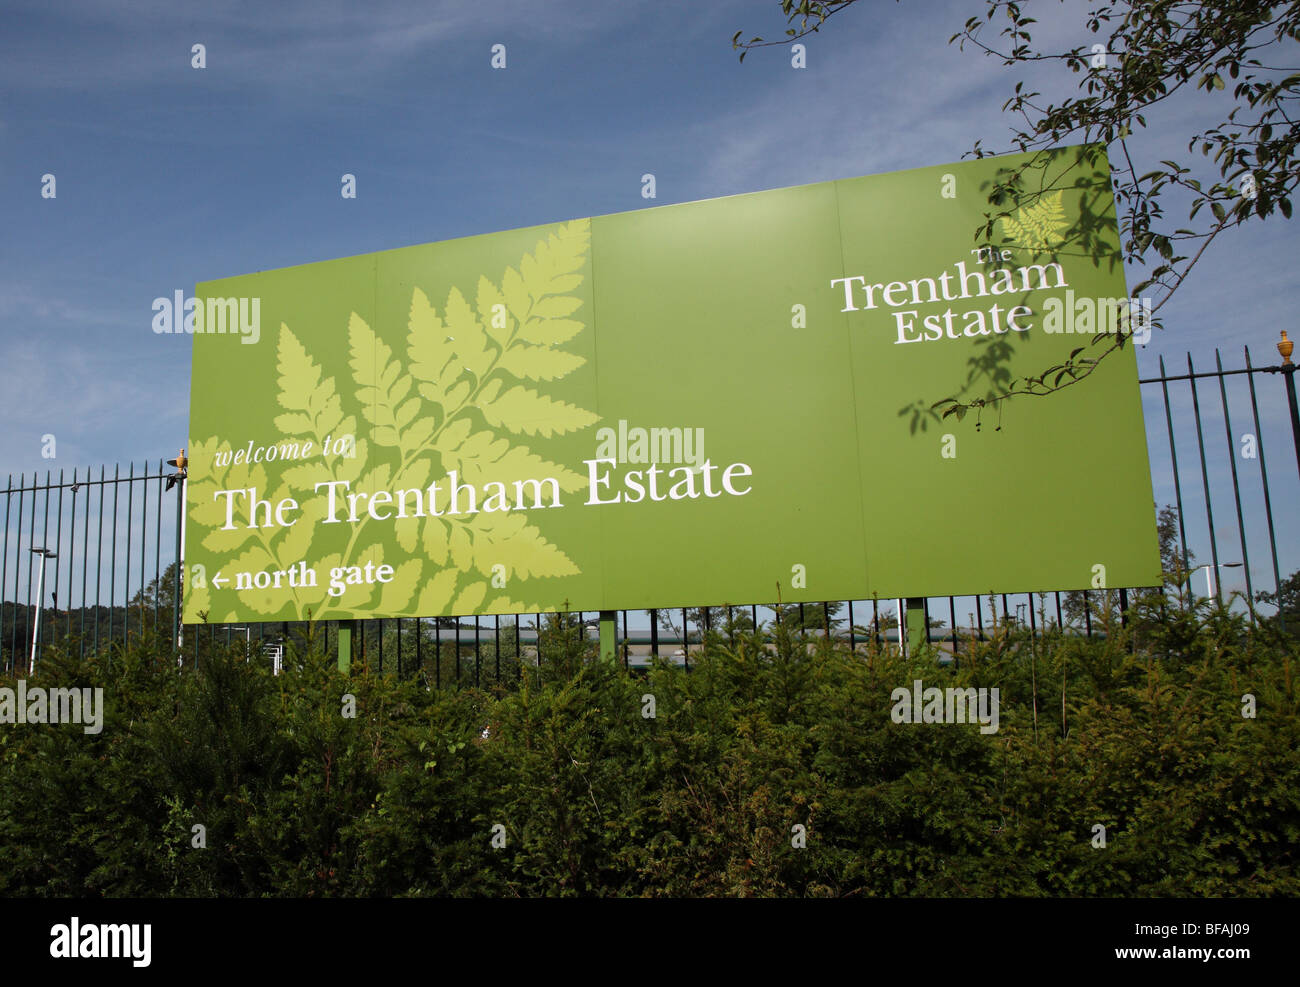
(767, 732)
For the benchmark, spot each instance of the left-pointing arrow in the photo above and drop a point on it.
(218, 579)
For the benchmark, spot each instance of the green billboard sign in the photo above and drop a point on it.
(713, 402)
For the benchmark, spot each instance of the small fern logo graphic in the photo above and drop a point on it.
(1039, 226)
(467, 395)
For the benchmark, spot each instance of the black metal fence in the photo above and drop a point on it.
(80, 550)
(90, 560)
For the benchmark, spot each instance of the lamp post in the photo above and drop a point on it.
(181, 464)
(1285, 348)
(1209, 568)
(44, 553)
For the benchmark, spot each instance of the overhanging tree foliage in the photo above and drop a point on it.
(1133, 58)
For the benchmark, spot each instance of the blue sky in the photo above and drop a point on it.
(168, 175)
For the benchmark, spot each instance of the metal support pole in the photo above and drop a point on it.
(36, 627)
(180, 555)
(918, 632)
(608, 636)
(347, 628)
(1288, 374)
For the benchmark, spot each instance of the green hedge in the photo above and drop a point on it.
(765, 733)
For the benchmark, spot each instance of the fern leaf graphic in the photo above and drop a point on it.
(1039, 226)
(455, 399)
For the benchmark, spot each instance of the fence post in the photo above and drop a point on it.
(346, 630)
(608, 636)
(180, 548)
(918, 630)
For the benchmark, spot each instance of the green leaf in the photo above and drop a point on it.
(484, 458)
(470, 598)
(516, 295)
(523, 410)
(437, 543)
(539, 362)
(400, 588)
(489, 297)
(381, 385)
(428, 350)
(460, 546)
(302, 389)
(1039, 226)
(551, 332)
(556, 307)
(436, 595)
(509, 540)
(469, 338)
(295, 423)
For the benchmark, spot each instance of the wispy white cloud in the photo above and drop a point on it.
(25, 308)
(296, 44)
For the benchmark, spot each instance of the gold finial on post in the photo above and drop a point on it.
(1285, 347)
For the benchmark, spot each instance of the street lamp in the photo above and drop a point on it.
(1285, 348)
(44, 553)
(182, 472)
(1209, 568)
